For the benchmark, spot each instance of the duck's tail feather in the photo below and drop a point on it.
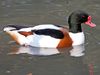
(19, 37)
(13, 27)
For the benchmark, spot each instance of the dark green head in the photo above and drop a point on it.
(76, 19)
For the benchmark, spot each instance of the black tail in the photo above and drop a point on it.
(18, 27)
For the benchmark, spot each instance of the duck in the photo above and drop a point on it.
(51, 35)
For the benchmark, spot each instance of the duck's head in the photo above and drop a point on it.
(77, 18)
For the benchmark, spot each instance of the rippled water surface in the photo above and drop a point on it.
(19, 60)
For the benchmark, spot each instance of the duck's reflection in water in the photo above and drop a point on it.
(35, 51)
(75, 51)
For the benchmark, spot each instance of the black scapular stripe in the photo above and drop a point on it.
(50, 32)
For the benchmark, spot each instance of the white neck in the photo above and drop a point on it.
(77, 38)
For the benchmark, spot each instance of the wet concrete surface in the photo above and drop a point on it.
(33, 12)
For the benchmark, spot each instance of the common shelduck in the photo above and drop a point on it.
(50, 35)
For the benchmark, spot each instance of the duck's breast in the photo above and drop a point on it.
(77, 38)
(66, 41)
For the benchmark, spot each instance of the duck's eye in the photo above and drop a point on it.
(83, 16)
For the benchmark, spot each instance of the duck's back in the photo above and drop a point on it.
(51, 36)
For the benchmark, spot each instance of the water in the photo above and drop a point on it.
(34, 61)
